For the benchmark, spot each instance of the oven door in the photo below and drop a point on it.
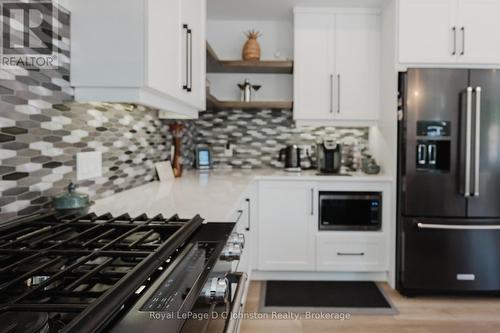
(350, 210)
(220, 317)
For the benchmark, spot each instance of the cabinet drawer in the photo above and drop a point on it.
(354, 255)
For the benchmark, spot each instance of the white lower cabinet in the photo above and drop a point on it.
(286, 218)
(288, 239)
(244, 218)
(351, 253)
(243, 226)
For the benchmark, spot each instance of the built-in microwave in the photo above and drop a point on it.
(350, 210)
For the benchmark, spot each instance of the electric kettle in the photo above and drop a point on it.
(290, 156)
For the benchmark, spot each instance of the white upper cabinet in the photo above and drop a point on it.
(163, 63)
(480, 22)
(193, 16)
(336, 66)
(427, 31)
(149, 52)
(449, 32)
(313, 59)
(357, 55)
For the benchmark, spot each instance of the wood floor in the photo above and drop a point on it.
(416, 315)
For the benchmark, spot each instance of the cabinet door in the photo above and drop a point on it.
(193, 52)
(313, 66)
(243, 226)
(163, 37)
(357, 54)
(286, 222)
(176, 49)
(428, 32)
(478, 32)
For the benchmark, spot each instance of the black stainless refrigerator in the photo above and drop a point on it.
(449, 181)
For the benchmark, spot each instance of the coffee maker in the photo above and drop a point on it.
(329, 156)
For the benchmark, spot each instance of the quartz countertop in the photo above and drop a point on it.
(213, 194)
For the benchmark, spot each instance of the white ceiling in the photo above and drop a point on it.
(274, 9)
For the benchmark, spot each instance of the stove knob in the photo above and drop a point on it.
(231, 252)
(215, 290)
(237, 238)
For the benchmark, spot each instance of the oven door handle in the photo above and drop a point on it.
(233, 319)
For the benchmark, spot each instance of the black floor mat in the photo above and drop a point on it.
(332, 294)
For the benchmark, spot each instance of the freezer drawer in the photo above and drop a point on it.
(450, 255)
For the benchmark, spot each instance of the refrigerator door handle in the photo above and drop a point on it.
(468, 143)
(457, 226)
(477, 141)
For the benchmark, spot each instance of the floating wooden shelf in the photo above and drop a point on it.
(214, 103)
(215, 65)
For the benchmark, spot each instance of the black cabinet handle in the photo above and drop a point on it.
(350, 254)
(249, 213)
(331, 93)
(463, 41)
(338, 93)
(454, 29)
(186, 78)
(190, 60)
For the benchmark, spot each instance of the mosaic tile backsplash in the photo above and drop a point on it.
(258, 136)
(38, 153)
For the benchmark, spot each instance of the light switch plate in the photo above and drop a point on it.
(88, 165)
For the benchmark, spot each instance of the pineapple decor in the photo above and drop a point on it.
(251, 49)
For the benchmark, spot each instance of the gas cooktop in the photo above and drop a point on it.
(83, 274)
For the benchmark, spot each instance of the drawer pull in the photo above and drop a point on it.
(350, 254)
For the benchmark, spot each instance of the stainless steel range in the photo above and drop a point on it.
(119, 274)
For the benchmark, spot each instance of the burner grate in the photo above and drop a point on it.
(70, 264)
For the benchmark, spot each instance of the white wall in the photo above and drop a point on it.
(275, 87)
(227, 39)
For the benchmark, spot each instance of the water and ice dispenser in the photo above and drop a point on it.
(433, 146)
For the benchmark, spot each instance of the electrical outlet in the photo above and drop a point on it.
(229, 150)
(88, 165)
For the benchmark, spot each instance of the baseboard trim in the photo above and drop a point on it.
(319, 276)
